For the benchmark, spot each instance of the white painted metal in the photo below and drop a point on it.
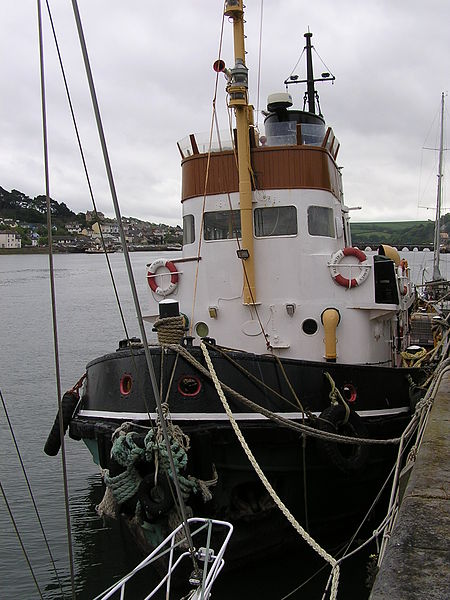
(290, 270)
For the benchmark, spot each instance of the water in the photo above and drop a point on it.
(88, 326)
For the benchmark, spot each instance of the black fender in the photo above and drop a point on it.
(348, 458)
(68, 405)
(156, 500)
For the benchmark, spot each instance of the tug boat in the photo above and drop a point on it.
(271, 309)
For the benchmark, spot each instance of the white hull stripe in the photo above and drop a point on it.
(104, 414)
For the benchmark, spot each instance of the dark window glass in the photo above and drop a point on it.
(321, 221)
(188, 229)
(222, 225)
(275, 220)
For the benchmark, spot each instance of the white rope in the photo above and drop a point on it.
(295, 524)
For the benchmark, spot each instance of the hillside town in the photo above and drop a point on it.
(23, 224)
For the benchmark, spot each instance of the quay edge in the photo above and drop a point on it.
(416, 564)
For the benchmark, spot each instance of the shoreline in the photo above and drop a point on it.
(34, 250)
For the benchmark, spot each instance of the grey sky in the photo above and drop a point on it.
(152, 67)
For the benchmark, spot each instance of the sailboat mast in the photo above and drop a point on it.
(238, 99)
(437, 229)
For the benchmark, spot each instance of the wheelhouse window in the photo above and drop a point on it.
(222, 225)
(321, 221)
(188, 229)
(275, 220)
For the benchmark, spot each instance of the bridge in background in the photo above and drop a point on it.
(409, 247)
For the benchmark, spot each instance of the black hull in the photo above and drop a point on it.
(323, 495)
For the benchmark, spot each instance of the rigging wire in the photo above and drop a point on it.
(19, 537)
(91, 192)
(131, 279)
(53, 298)
(211, 130)
(434, 146)
(259, 63)
(11, 429)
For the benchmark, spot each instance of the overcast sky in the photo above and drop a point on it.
(152, 68)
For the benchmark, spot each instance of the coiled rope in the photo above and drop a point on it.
(170, 330)
(283, 508)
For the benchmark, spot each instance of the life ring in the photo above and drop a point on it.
(157, 264)
(68, 405)
(344, 281)
(348, 458)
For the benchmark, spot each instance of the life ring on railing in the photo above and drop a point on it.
(340, 279)
(151, 274)
(348, 458)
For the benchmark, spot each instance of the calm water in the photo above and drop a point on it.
(88, 326)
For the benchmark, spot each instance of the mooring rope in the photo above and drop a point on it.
(283, 421)
(283, 508)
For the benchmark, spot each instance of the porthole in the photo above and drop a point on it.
(126, 383)
(309, 326)
(201, 329)
(189, 385)
(349, 392)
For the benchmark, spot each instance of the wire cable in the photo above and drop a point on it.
(53, 297)
(19, 537)
(88, 181)
(132, 282)
(31, 492)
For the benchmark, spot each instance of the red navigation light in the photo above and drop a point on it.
(219, 66)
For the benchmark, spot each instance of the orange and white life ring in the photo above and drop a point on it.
(344, 281)
(151, 274)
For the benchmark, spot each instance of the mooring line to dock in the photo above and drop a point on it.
(335, 569)
(284, 422)
(428, 400)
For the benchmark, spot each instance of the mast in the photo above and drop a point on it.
(437, 227)
(238, 99)
(310, 91)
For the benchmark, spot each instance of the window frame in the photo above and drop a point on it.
(236, 231)
(278, 206)
(330, 221)
(192, 229)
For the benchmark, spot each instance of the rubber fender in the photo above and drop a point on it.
(68, 404)
(156, 500)
(348, 458)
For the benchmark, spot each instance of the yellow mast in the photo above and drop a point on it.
(238, 99)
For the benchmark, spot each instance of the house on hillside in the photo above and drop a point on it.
(10, 239)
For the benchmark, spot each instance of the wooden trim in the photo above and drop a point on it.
(336, 151)
(194, 144)
(299, 134)
(274, 167)
(325, 139)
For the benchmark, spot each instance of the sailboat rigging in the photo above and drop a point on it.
(437, 230)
